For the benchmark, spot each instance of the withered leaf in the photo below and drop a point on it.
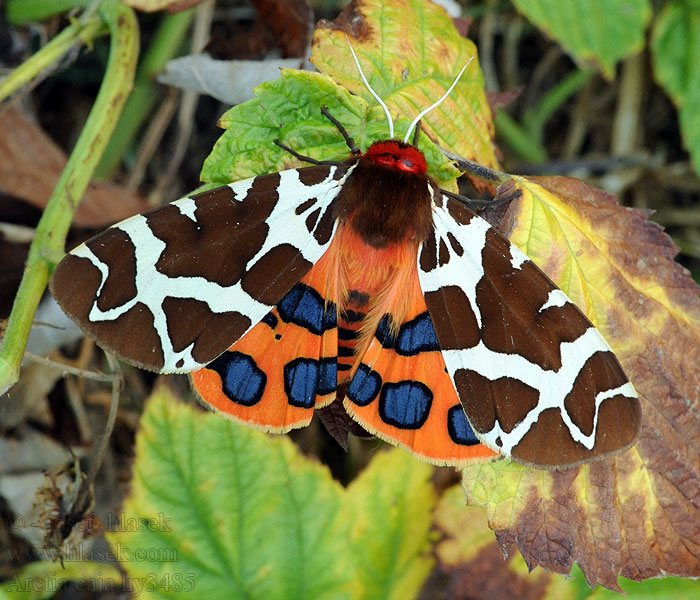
(291, 21)
(637, 514)
(31, 163)
(471, 562)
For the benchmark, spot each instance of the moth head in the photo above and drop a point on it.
(397, 155)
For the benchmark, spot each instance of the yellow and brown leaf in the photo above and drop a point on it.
(638, 514)
(411, 52)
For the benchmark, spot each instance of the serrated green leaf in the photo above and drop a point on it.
(676, 58)
(392, 509)
(597, 31)
(41, 580)
(239, 515)
(411, 71)
(229, 512)
(290, 109)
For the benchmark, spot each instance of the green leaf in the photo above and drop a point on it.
(676, 57)
(41, 580)
(410, 68)
(599, 31)
(228, 512)
(392, 506)
(669, 587)
(235, 514)
(290, 109)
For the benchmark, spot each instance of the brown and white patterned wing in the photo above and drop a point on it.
(171, 289)
(536, 379)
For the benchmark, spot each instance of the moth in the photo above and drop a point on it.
(358, 282)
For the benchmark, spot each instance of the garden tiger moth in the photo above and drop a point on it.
(363, 282)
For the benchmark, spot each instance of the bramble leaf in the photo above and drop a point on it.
(229, 512)
(676, 60)
(598, 31)
(234, 513)
(470, 558)
(411, 52)
(290, 109)
(410, 71)
(637, 513)
(471, 561)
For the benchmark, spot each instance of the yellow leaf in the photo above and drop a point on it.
(411, 52)
(635, 514)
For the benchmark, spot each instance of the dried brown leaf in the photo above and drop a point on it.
(637, 514)
(291, 21)
(472, 562)
(31, 163)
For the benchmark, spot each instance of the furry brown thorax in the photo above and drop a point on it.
(387, 199)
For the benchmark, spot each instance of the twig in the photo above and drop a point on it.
(152, 138)
(486, 36)
(84, 495)
(188, 104)
(67, 369)
(626, 128)
(45, 59)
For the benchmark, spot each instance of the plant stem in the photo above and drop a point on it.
(165, 45)
(526, 139)
(50, 54)
(21, 12)
(519, 139)
(48, 245)
(535, 119)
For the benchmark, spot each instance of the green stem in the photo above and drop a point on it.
(526, 139)
(48, 245)
(536, 119)
(519, 139)
(50, 54)
(165, 45)
(21, 12)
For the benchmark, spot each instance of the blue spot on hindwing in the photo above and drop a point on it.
(413, 337)
(304, 306)
(300, 377)
(305, 378)
(365, 386)
(459, 428)
(405, 404)
(241, 379)
(327, 376)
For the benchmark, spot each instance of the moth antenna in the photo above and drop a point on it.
(432, 106)
(371, 91)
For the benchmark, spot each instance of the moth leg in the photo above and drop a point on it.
(305, 158)
(469, 202)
